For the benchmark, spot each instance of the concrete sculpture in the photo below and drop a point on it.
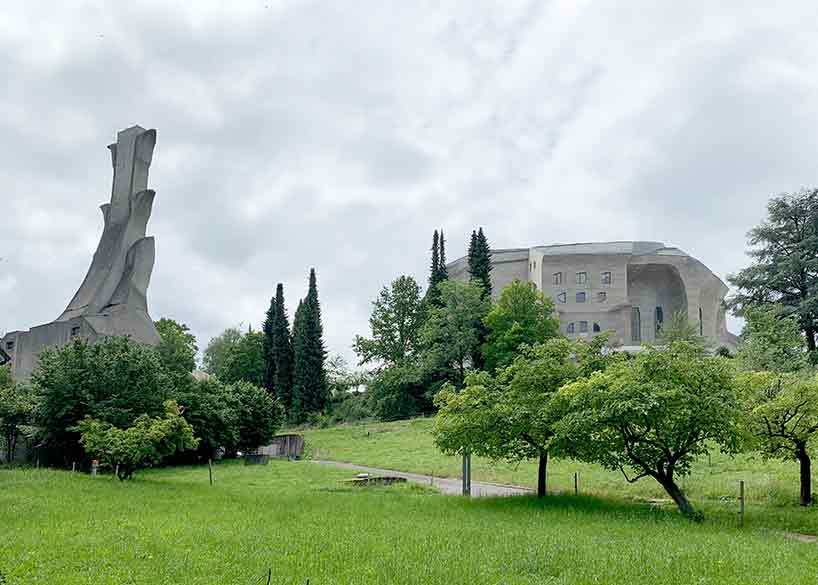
(112, 300)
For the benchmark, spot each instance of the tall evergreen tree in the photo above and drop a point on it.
(282, 351)
(443, 272)
(432, 293)
(480, 261)
(267, 347)
(310, 390)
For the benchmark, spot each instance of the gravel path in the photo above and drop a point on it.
(447, 485)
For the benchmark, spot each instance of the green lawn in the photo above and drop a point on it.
(298, 519)
(771, 487)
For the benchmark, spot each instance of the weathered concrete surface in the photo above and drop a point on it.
(447, 485)
(112, 299)
(627, 288)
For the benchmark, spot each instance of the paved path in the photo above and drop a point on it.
(447, 485)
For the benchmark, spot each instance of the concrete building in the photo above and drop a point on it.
(112, 300)
(628, 288)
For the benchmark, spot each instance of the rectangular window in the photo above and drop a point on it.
(562, 297)
(605, 277)
(582, 277)
(9, 345)
(558, 278)
(583, 326)
(75, 331)
(570, 328)
(580, 297)
(601, 297)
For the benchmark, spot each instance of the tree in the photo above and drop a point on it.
(785, 270)
(211, 408)
(442, 269)
(783, 411)
(310, 393)
(233, 356)
(267, 346)
(114, 380)
(397, 316)
(771, 342)
(400, 391)
(259, 415)
(679, 328)
(438, 272)
(17, 406)
(177, 348)
(451, 336)
(653, 414)
(146, 442)
(479, 261)
(522, 315)
(282, 351)
(219, 352)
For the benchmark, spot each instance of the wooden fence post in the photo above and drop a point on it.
(210, 469)
(741, 503)
(576, 483)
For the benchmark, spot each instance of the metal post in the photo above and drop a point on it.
(73, 466)
(741, 503)
(94, 465)
(466, 473)
(210, 469)
(116, 472)
(576, 483)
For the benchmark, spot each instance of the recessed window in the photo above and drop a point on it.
(597, 328)
(580, 297)
(583, 326)
(601, 297)
(636, 325)
(558, 278)
(562, 297)
(9, 345)
(582, 277)
(605, 277)
(75, 331)
(660, 318)
(570, 328)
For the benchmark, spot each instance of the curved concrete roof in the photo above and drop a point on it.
(624, 247)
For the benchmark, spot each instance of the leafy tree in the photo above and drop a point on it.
(679, 328)
(397, 316)
(5, 376)
(17, 406)
(770, 342)
(400, 391)
(211, 408)
(114, 380)
(177, 348)
(653, 414)
(310, 392)
(219, 352)
(146, 442)
(451, 335)
(267, 346)
(785, 270)
(282, 351)
(259, 415)
(479, 261)
(784, 418)
(522, 315)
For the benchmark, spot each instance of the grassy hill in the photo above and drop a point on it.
(300, 521)
(771, 487)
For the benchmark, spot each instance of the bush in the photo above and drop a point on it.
(146, 443)
(211, 408)
(259, 416)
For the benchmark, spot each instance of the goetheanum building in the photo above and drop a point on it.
(627, 288)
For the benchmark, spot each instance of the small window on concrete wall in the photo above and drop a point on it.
(601, 297)
(701, 323)
(636, 325)
(605, 277)
(562, 297)
(583, 326)
(660, 318)
(75, 331)
(9, 345)
(570, 328)
(558, 278)
(580, 297)
(582, 277)
(596, 328)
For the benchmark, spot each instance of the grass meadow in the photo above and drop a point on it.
(302, 522)
(771, 487)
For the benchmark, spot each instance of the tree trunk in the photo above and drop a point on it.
(809, 334)
(678, 496)
(542, 469)
(806, 479)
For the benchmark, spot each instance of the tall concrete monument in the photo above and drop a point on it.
(112, 300)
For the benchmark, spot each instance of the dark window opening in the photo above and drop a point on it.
(601, 297)
(701, 324)
(636, 325)
(570, 328)
(596, 328)
(583, 326)
(605, 277)
(582, 277)
(558, 278)
(75, 331)
(660, 318)
(9, 345)
(562, 297)
(580, 297)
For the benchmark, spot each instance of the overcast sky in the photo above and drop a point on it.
(340, 134)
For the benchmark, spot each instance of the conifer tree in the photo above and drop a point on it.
(432, 294)
(480, 261)
(282, 351)
(443, 272)
(267, 347)
(310, 390)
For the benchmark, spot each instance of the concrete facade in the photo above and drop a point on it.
(112, 299)
(627, 288)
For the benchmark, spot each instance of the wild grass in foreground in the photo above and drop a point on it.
(299, 520)
(771, 486)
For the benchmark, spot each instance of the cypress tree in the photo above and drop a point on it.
(267, 347)
(310, 390)
(432, 294)
(282, 351)
(480, 261)
(443, 272)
